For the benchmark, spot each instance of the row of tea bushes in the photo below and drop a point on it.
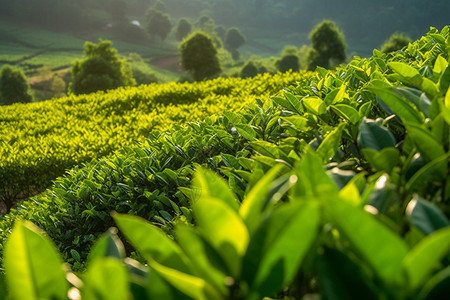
(39, 141)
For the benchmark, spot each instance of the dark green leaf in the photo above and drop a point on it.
(374, 136)
(426, 216)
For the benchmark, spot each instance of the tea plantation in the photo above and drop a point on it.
(39, 141)
(334, 185)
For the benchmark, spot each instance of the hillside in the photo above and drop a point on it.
(77, 129)
(335, 186)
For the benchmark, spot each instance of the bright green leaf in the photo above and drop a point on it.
(33, 266)
(224, 229)
(315, 105)
(409, 74)
(347, 112)
(279, 246)
(194, 287)
(423, 258)
(381, 248)
(106, 279)
(211, 185)
(327, 149)
(256, 200)
(152, 242)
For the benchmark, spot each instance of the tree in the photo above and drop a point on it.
(158, 24)
(100, 69)
(249, 70)
(289, 60)
(395, 42)
(328, 43)
(233, 40)
(14, 86)
(221, 32)
(199, 56)
(182, 29)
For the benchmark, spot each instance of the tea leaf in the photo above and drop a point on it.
(422, 259)
(33, 266)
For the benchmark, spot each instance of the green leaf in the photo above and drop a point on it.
(327, 149)
(108, 245)
(266, 148)
(206, 262)
(315, 105)
(152, 242)
(409, 75)
(424, 257)
(192, 286)
(398, 105)
(224, 229)
(256, 200)
(424, 141)
(384, 160)
(444, 80)
(367, 237)
(32, 264)
(374, 136)
(340, 277)
(246, 131)
(438, 287)
(279, 246)
(347, 112)
(106, 278)
(426, 215)
(433, 170)
(336, 95)
(299, 122)
(311, 178)
(440, 65)
(211, 185)
(417, 97)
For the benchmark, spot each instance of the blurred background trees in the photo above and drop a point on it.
(100, 69)
(395, 42)
(13, 86)
(328, 45)
(199, 56)
(233, 40)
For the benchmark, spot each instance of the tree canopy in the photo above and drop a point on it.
(199, 56)
(395, 42)
(233, 40)
(328, 43)
(14, 86)
(158, 24)
(182, 29)
(100, 69)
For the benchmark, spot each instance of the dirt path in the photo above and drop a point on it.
(171, 63)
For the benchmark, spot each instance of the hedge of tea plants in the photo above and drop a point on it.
(336, 187)
(39, 141)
